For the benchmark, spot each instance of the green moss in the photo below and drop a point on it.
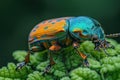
(69, 65)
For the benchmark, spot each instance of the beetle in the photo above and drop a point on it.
(55, 34)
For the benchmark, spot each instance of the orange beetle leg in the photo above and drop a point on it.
(84, 57)
(54, 47)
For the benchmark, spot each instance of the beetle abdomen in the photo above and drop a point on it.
(47, 31)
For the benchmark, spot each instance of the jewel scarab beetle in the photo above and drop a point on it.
(55, 34)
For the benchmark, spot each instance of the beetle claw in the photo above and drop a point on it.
(47, 69)
(86, 63)
(20, 65)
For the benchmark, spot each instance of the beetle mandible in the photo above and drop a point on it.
(55, 34)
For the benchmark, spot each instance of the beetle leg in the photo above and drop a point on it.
(84, 57)
(27, 60)
(51, 49)
(47, 69)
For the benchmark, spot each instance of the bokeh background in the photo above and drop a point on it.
(18, 17)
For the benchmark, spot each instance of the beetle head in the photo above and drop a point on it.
(101, 44)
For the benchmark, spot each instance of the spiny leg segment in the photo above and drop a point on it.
(84, 57)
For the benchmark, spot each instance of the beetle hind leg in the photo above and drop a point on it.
(27, 60)
(27, 57)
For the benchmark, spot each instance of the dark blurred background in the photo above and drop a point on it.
(18, 17)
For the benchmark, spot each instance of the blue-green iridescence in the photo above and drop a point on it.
(87, 26)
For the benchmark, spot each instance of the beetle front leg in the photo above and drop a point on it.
(27, 60)
(84, 57)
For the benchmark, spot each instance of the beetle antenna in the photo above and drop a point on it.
(112, 35)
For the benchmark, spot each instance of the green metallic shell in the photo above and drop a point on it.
(83, 28)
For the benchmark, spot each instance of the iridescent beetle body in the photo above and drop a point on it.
(56, 33)
(49, 31)
(64, 31)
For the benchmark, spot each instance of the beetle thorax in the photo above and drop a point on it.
(83, 28)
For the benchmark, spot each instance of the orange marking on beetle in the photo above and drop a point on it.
(83, 55)
(51, 31)
(80, 33)
(55, 48)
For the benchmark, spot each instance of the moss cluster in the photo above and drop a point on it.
(69, 65)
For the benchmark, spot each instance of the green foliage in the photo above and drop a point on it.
(69, 65)
(84, 74)
(9, 72)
